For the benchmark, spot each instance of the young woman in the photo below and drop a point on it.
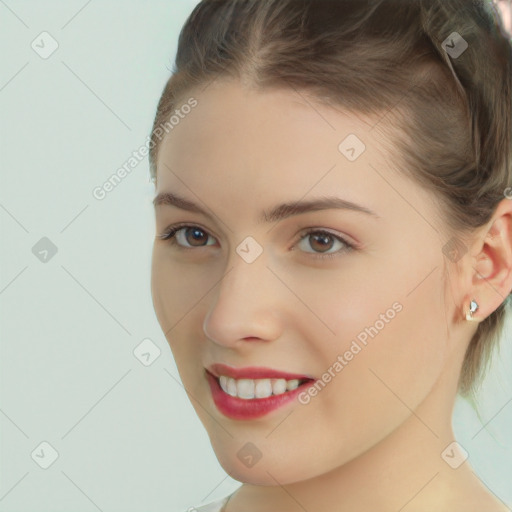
(333, 259)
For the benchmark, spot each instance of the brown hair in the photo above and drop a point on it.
(450, 114)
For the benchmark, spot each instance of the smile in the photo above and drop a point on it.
(249, 389)
(245, 398)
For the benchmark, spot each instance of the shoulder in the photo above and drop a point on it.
(214, 506)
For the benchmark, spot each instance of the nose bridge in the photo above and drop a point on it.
(243, 305)
(247, 272)
(244, 285)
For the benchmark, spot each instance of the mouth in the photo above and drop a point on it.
(241, 397)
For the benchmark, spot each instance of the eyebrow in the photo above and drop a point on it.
(275, 214)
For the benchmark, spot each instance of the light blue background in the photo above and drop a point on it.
(127, 437)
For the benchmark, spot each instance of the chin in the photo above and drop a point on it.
(256, 475)
(267, 471)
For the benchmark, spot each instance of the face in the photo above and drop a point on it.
(321, 293)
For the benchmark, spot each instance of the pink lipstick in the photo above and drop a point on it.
(234, 407)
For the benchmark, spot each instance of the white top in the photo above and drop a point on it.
(214, 506)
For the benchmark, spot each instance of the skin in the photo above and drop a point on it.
(505, 9)
(372, 439)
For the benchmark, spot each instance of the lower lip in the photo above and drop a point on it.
(241, 409)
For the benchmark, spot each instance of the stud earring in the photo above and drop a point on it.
(473, 306)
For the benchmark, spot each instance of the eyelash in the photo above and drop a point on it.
(171, 231)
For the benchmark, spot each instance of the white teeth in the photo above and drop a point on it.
(263, 388)
(245, 388)
(292, 384)
(223, 381)
(256, 388)
(278, 386)
(231, 387)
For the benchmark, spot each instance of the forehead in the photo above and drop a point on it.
(241, 148)
(244, 128)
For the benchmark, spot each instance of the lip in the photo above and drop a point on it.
(253, 372)
(243, 409)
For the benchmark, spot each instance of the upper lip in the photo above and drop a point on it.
(253, 372)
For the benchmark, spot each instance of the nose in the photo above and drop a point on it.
(245, 306)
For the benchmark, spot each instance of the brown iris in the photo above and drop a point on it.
(196, 236)
(322, 241)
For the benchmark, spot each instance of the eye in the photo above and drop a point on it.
(319, 240)
(185, 233)
(323, 241)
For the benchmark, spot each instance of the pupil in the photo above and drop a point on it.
(196, 235)
(324, 241)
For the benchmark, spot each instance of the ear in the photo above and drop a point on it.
(491, 263)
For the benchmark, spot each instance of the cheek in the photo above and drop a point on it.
(393, 348)
(177, 290)
(390, 334)
(163, 290)
(391, 359)
(156, 289)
